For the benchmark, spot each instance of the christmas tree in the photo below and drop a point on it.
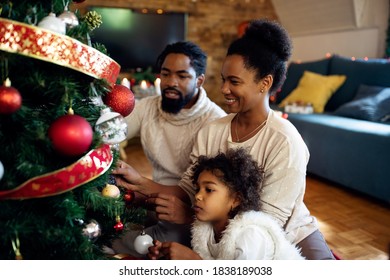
(59, 139)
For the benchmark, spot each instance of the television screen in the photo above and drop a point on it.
(135, 39)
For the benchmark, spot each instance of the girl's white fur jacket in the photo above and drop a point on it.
(227, 246)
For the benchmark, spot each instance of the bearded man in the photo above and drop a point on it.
(167, 126)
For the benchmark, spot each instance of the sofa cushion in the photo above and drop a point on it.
(295, 72)
(371, 72)
(371, 103)
(315, 89)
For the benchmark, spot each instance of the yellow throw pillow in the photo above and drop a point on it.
(315, 89)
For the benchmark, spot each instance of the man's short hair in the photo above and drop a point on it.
(197, 56)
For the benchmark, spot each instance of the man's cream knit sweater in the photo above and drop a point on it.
(167, 139)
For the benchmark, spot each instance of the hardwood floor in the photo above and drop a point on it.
(355, 227)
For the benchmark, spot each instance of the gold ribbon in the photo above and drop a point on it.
(43, 44)
(86, 169)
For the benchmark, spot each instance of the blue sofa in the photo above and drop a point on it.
(346, 147)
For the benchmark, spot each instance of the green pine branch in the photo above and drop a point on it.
(50, 228)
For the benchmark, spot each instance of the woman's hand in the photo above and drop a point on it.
(172, 251)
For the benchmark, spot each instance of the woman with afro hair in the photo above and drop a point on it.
(255, 68)
(229, 225)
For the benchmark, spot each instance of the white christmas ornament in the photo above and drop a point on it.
(142, 242)
(53, 23)
(69, 18)
(111, 126)
(1, 170)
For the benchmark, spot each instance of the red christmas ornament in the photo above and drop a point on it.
(128, 197)
(119, 226)
(120, 99)
(10, 98)
(71, 135)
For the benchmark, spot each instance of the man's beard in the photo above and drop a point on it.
(174, 106)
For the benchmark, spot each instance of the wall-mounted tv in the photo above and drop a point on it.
(134, 39)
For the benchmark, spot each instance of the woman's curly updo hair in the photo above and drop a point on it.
(266, 49)
(238, 171)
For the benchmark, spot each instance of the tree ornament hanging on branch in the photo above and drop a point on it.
(10, 98)
(53, 23)
(120, 99)
(111, 126)
(119, 225)
(129, 197)
(111, 191)
(1, 170)
(68, 17)
(92, 230)
(71, 135)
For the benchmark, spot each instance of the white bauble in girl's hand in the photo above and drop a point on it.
(142, 243)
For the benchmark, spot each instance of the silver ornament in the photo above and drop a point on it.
(92, 230)
(1, 170)
(69, 18)
(53, 23)
(111, 126)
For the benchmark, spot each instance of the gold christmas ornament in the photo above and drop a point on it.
(111, 191)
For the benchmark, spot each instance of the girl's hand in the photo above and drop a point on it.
(176, 251)
(154, 251)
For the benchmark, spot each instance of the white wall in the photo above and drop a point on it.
(346, 27)
(358, 43)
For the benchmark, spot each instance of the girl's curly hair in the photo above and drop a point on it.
(238, 171)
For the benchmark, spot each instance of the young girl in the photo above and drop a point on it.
(228, 223)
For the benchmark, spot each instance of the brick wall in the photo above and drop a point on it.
(212, 24)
